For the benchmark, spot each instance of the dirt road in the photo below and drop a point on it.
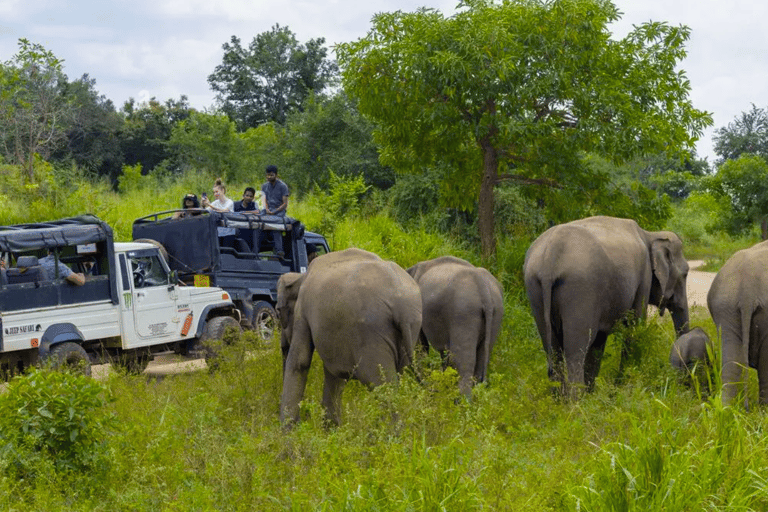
(698, 284)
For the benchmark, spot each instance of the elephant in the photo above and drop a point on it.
(363, 316)
(690, 349)
(584, 276)
(462, 310)
(737, 303)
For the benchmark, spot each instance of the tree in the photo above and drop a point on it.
(33, 112)
(748, 133)
(270, 78)
(518, 91)
(744, 182)
(148, 129)
(94, 131)
(330, 136)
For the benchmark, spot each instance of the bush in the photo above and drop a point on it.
(53, 415)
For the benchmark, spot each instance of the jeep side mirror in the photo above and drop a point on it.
(173, 278)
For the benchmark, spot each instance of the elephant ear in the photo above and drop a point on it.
(661, 263)
(287, 291)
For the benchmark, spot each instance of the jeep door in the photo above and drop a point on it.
(154, 299)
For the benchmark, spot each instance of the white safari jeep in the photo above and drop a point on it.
(130, 307)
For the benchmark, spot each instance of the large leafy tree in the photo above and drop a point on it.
(94, 131)
(747, 134)
(519, 90)
(33, 111)
(148, 128)
(744, 183)
(271, 77)
(330, 136)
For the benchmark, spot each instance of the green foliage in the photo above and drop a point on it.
(342, 200)
(747, 134)
(744, 182)
(54, 415)
(413, 196)
(33, 112)
(699, 221)
(270, 78)
(148, 127)
(131, 179)
(331, 135)
(654, 471)
(94, 132)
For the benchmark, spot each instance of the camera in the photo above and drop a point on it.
(204, 195)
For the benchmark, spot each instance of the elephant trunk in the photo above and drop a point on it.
(680, 318)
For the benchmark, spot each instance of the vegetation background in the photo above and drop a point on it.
(646, 439)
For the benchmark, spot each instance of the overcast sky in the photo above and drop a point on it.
(166, 48)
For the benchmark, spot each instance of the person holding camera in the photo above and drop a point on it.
(221, 204)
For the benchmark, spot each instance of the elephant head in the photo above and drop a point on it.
(287, 292)
(670, 272)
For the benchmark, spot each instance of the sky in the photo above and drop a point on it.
(167, 48)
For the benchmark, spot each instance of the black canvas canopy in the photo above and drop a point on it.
(84, 229)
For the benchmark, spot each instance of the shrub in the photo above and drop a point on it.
(59, 416)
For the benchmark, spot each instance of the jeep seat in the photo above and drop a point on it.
(27, 270)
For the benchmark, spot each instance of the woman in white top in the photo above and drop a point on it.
(222, 204)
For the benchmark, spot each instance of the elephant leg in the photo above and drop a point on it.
(594, 359)
(332, 391)
(735, 364)
(759, 335)
(464, 362)
(578, 337)
(295, 372)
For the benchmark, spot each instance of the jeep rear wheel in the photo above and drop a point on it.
(264, 319)
(72, 356)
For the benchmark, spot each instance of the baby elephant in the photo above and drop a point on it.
(463, 306)
(689, 349)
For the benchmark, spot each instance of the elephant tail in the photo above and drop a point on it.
(492, 317)
(546, 305)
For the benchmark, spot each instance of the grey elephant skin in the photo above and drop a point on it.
(362, 314)
(690, 349)
(583, 276)
(737, 302)
(462, 311)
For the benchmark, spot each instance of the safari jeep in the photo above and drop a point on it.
(249, 271)
(130, 307)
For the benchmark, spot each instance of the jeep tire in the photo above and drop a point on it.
(71, 355)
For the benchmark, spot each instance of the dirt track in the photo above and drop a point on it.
(698, 284)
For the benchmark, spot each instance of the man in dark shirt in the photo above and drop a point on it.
(275, 192)
(276, 203)
(249, 206)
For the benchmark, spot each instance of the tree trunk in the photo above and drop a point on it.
(485, 200)
(764, 228)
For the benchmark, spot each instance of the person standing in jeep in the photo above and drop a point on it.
(276, 202)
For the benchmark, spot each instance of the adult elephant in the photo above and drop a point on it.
(737, 302)
(462, 309)
(362, 314)
(584, 276)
